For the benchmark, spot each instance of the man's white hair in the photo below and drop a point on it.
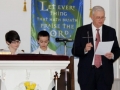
(97, 8)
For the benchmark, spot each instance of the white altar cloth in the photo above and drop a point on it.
(41, 72)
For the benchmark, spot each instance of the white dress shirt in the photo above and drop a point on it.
(17, 51)
(94, 31)
(48, 51)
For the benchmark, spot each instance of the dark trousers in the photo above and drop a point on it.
(96, 80)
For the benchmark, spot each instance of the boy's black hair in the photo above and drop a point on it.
(12, 36)
(44, 34)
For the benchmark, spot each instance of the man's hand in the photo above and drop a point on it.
(88, 47)
(109, 55)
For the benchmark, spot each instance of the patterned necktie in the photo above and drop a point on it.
(98, 60)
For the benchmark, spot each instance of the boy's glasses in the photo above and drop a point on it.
(14, 42)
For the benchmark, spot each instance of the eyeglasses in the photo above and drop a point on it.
(14, 42)
(100, 18)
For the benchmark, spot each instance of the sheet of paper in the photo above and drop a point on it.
(104, 47)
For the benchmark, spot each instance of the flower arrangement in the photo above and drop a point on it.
(29, 85)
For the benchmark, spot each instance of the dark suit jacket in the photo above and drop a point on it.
(85, 60)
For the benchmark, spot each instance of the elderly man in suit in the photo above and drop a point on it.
(95, 72)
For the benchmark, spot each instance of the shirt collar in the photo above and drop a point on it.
(43, 50)
(94, 28)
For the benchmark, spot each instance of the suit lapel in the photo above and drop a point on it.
(89, 29)
(104, 33)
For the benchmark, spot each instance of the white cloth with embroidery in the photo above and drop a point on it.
(2, 85)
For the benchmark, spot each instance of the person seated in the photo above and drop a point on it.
(13, 41)
(43, 38)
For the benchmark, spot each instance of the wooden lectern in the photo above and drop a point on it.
(38, 68)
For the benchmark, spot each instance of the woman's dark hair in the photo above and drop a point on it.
(12, 36)
(44, 34)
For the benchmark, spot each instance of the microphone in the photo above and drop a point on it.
(63, 40)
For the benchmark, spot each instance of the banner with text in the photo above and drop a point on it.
(60, 18)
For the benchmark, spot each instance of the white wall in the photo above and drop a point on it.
(103, 3)
(12, 17)
(115, 23)
(118, 4)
